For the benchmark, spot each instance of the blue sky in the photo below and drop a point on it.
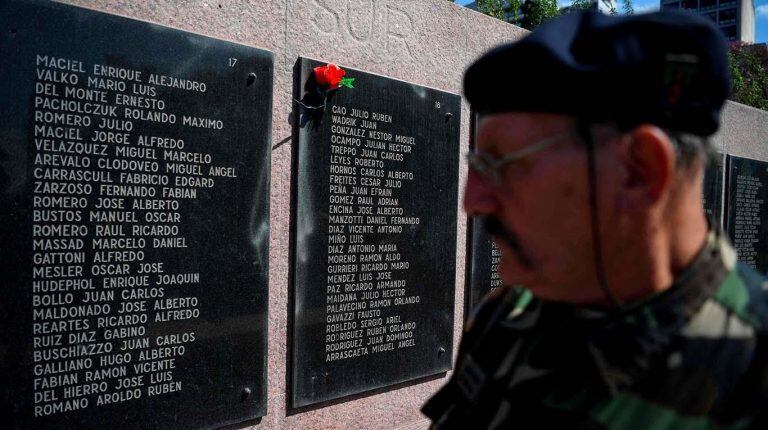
(761, 21)
(761, 14)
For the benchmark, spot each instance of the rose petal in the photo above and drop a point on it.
(329, 75)
(320, 75)
(334, 74)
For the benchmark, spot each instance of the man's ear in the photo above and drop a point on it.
(650, 161)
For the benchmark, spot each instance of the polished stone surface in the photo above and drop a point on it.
(375, 234)
(747, 212)
(714, 179)
(484, 257)
(165, 219)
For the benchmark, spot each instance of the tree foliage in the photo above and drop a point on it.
(628, 8)
(580, 4)
(494, 8)
(513, 10)
(530, 13)
(536, 12)
(749, 71)
(525, 13)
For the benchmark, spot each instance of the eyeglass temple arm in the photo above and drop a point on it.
(538, 146)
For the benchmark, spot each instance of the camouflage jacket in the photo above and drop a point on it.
(692, 357)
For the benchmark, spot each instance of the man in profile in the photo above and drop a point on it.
(592, 140)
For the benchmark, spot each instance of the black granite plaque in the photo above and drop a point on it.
(483, 255)
(747, 216)
(375, 234)
(133, 222)
(713, 189)
(483, 269)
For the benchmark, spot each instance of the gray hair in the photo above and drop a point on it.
(689, 147)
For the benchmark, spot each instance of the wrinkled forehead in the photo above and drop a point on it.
(498, 128)
(536, 120)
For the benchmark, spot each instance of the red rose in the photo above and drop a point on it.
(329, 75)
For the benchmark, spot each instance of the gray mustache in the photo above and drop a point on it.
(496, 228)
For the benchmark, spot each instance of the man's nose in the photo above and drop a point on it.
(479, 196)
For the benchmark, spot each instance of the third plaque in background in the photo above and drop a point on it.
(747, 212)
(483, 255)
(483, 267)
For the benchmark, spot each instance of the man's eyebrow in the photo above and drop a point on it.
(500, 139)
(487, 144)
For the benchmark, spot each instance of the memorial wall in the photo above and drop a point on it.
(197, 232)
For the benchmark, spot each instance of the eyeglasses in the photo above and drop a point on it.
(489, 167)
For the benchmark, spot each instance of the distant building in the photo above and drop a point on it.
(736, 18)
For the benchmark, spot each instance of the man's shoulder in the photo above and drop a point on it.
(719, 351)
(500, 304)
(736, 315)
(744, 294)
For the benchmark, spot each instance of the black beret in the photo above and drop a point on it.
(665, 68)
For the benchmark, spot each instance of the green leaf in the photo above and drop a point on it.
(748, 65)
(347, 82)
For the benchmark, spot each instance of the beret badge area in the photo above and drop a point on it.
(680, 75)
